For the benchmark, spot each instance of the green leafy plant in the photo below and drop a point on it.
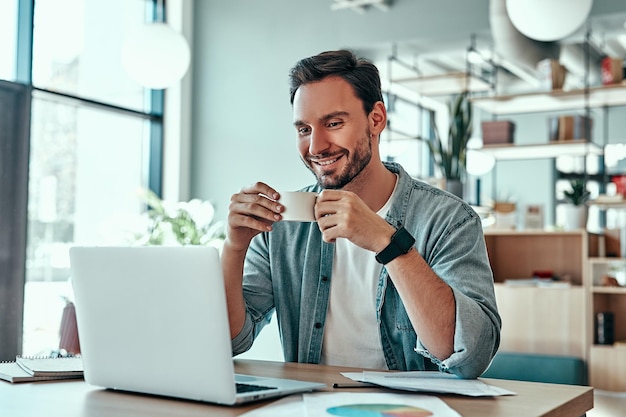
(578, 195)
(183, 223)
(451, 156)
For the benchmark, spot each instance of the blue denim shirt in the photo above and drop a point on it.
(289, 270)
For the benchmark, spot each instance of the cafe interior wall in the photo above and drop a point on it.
(242, 123)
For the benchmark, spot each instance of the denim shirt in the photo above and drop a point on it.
(288, 270)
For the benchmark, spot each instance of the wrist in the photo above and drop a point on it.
(401, 243)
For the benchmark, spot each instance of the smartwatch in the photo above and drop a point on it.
(401, 243)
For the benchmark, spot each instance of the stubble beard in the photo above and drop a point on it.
(357, 161)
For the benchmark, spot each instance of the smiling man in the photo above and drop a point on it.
(393, 274)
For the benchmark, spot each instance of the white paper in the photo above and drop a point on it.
(429, 381)
(285, 407)
(330, 404)
(350, 403)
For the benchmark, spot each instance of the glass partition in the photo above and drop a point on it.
(8, 39)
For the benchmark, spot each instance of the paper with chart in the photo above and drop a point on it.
(355, 404)
(429, 381)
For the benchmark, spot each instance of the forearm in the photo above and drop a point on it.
(428, 300)
(232, 267)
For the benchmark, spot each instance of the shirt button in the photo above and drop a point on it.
(318, 325)
(324, 279)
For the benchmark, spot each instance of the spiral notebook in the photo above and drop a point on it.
(153, 320)
(27, 369)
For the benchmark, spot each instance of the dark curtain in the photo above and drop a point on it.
(14, 151)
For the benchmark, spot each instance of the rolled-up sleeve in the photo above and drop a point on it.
(462, 261)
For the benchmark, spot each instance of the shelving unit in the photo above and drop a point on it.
(565, 320)
(560, 320)
(409, 84)
(556, 100)
(607, 363)
(548, 320)
(444, 84)
(542, 150)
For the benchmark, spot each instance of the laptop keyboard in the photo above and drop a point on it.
(242, 388)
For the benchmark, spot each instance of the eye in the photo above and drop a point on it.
(334, 124)
(303, 130)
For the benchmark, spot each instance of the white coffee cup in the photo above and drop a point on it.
(299, 206)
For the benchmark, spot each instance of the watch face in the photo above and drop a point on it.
(401, 243)
(404, 240)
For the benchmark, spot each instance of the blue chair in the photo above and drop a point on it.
(536, 367)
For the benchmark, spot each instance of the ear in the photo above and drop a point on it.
(377, 118)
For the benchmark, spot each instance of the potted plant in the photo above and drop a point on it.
(450, 156)
(181, 223)
(575, 209)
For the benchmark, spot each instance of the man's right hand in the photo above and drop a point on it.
(253, 210)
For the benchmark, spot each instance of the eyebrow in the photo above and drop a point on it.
(324, 118)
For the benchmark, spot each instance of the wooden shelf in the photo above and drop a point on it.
(608, 205)
(609, 95)
(609, 290)
(444, 84)
(543, 150)
(606, 260)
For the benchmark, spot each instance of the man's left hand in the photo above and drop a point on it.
(343, 214)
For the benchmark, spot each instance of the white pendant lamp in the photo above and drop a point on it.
(155, 55)
(548, 20)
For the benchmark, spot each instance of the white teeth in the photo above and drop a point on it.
(327, 162)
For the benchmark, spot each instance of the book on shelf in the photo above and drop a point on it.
(30, 369)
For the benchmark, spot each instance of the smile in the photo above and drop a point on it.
(326, 162)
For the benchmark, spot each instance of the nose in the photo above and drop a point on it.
(318, 141)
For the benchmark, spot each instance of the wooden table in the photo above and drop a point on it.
(74, 398)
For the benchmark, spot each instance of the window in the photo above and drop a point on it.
(95, 140)
(76, 49)
(406, 121)
(86, 165)
(8, 41)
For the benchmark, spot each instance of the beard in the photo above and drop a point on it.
(356, 162)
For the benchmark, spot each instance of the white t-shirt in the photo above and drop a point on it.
(351, 331)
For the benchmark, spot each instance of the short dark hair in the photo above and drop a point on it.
(360, 73)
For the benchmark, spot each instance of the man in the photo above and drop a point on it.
(393, 275)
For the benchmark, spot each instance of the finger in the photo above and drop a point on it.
(237, 221)
(329, 230)
(331, 195)
(256, 205)
(327, 222)
(261, 188)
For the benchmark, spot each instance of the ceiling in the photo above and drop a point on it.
(501, 46)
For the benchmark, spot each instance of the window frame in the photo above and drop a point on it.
(13, 276)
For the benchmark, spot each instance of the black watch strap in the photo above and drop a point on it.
(401, 243)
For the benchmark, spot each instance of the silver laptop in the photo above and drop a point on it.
(153, 320)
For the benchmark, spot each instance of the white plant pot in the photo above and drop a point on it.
(573, 217)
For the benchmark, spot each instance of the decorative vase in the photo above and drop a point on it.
(574, 217)
(455, 187)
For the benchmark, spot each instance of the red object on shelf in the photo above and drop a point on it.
(612, 70)
(620, 184)
(542, 274)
